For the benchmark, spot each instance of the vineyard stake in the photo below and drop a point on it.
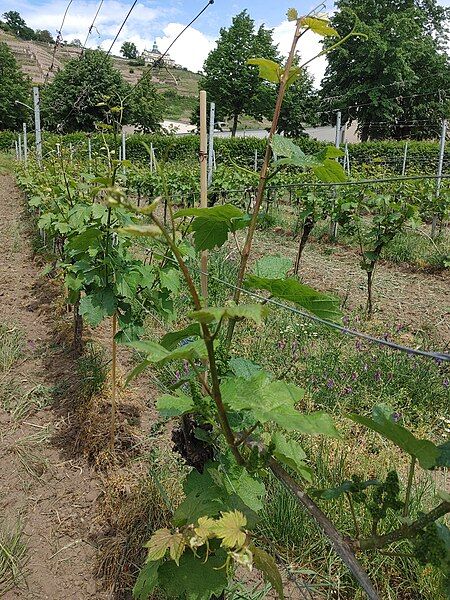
(405, 155)
(17, 149)
(113, 376)
(439, 173)
(337, 143)
(20, 147)
(212, 115)
(203, 187)
(25, 144)
(37, 125)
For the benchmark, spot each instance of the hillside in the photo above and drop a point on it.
(179, 86)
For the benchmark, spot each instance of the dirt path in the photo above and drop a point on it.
(51, 499)
(419, 301)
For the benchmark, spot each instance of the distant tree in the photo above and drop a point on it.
(76, 42)
(129, 50)
(13, 86)
(76, 96)
(300, 107)
(147, 107)
(43, 35)
(231, 83)
(16, 24)
(391, 83)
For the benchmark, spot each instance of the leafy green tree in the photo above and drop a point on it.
(390, 83)
(75, 99)
(300, 107)
(146, 107)
(230, 82)
(16, 25)
(129, 50)
(43, 35)
(14, 86)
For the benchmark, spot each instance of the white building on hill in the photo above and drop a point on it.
(151, 56)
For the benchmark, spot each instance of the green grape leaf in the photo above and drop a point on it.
(274, 401)
(229, 528)
(155, 353)
(273, 267)
(141, 230)
(95, 307)
(268, 69)
(322, 305)
(146, 581)
(329, 152)
(170, 280)
(443, 459)
(171, 340)
(443, 495)
(283, 146)
(292, 454)
(203, 498)
(320, 26)
(425, 451)
(268, 567)
(330, 171)
(211, 226)
(158, 544)
(255, 312)
(195, 578)
(242, 367)
(238, 481)
(174, 406)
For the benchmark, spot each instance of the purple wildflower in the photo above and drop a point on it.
(330, 384)
(281, 345)
(396, 417)
(446, 382)
(347, 390)
(377, 376)
(354, 375)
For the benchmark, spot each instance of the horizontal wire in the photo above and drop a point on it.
(438, 356)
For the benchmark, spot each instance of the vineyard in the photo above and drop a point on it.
(237, 390)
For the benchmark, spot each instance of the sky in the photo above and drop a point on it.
(162, 20)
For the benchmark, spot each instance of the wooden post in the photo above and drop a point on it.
(204, 186)
(113, 376)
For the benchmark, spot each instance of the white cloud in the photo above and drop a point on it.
(81, 13)
(190, 50)
(308, 47)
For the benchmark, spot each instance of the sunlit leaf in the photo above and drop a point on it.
(274, 267)
(320, 26)
(382, 422)
(292, 454)
(268, 69)
(230, 529)
(268, 567)
(174, 406)
(141, 230)
(324, 306)
(255, 312)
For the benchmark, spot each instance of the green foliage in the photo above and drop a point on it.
(65, 100)
(146, 106)
(402, 100)
(229, 80)
(13, 86)
(274, 401)
(16, 25)
(212, 225)
(129, 50)
(319, 304)
(382, 422)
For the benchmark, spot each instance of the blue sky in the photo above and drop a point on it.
(162, 20)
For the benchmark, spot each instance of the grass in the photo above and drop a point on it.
(27, 451)
(11, 346)
(12, 558)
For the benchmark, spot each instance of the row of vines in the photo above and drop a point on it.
(126, 244)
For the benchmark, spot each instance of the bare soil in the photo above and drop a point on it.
(54, 499)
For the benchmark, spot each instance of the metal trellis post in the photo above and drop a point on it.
(37, 124)
(25, 144)
(439, 173)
